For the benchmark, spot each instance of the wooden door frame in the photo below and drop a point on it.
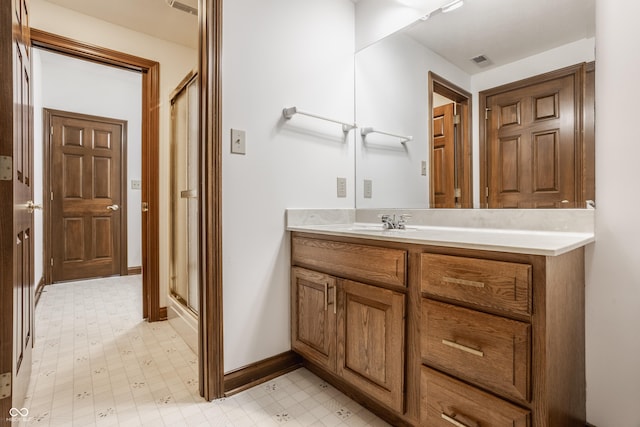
(440, 85)
(584, 147)
(210, 355)
(211, 329)
(47, 170)
(150, 71)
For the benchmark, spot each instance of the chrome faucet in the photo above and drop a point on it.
(389, 222)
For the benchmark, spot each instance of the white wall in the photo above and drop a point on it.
(69, 84)
(278, 54)
(613, 263)
(392, 95)
(175, 62)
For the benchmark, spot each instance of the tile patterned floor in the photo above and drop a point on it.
(97, 364)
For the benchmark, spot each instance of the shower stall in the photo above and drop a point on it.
(182, 309)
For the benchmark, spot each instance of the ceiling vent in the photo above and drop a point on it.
(481, 60)
(189, 6)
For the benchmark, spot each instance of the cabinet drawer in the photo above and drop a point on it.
(488, 350)
(446, 402)
(352, 261)
(504, 286)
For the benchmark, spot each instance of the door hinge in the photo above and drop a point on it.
(6, 168)
(486, 192)
(5, 385)
(52, 195)
(457, 193)
(486, 113)
(51, 262)
(51, 130)
(456, 119)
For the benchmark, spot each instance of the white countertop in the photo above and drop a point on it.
(549, 243)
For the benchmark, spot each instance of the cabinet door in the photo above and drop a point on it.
(313, 316)
(371, 341)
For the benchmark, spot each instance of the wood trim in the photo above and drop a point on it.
(150, 144)
(260, 372)
(134, 270)
(583, 159)
(464, 165)
(39, 289)
(163, 313)
(211, 355)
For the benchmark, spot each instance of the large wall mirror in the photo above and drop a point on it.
(470, 105)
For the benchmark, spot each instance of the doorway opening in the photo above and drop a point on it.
(449, 145)
(149, 141)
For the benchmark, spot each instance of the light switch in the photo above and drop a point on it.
(424, 168)
(136, 184)
(238, 140)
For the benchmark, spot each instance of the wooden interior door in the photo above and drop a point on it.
(16, 208)
(443, 157)
(88, 213)
(533, 144)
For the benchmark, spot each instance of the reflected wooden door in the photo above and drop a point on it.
(87, 203)
(16, 209)
(443, 157)
(533, 146)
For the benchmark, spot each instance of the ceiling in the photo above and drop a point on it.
(152, 17)
(504, 30)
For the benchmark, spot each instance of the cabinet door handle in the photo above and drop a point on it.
(463, 282)
(335, 298)
(463, 348)
(326, 296)
(453, 420)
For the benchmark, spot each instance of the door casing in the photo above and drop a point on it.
(150, 143)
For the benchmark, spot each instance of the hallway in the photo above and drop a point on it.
(97, 363)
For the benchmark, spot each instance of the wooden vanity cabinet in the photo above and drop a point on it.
(502, 339)
(351, 329)
(439, 336)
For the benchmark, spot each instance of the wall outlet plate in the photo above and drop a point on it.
(238, 141)
(368, 188)
(342, 187)
(136, 184)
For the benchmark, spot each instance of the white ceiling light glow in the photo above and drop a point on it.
(452, 6)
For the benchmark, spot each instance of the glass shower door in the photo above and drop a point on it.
(184, 193)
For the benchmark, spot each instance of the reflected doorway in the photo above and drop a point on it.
(449, 145)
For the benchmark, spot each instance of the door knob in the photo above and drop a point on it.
(32, 206)
(113, 207)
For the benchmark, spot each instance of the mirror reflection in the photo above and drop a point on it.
(490, 94)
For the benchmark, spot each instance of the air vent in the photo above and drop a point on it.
(189, 6)
(481, 60)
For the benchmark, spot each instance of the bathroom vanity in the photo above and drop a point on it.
(441, 325)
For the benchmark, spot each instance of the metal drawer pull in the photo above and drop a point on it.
(463, 282)
(463, 348)
(453, 421)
